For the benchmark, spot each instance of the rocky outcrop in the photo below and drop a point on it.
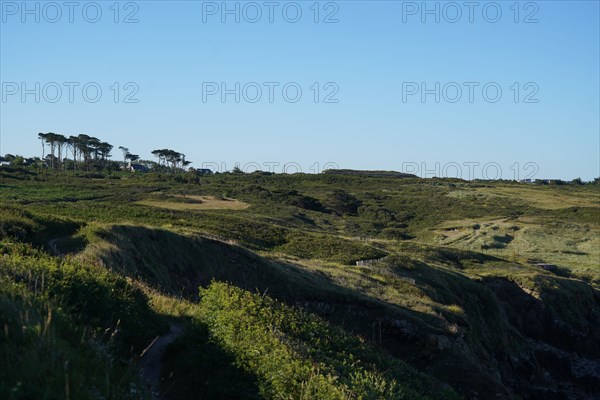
(551, 363)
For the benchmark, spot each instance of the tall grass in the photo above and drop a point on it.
(296, 355)
(69, 330)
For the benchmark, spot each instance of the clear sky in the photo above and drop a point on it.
(372, 62)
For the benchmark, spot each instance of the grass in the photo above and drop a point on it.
(546, 199)
(52, 357)
(574, 246)
(193, 203)
(297, 355)
(66, 328)
(329, 248)
(457, 283)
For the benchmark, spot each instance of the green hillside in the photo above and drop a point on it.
(342, 285)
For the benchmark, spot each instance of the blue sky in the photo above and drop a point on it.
(373, 58)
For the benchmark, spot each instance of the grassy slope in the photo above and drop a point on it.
(426, 304)
(68, 327)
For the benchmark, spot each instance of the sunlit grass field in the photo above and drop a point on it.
(191, 203)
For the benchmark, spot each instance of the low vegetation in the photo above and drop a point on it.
(75, 330)
(338, 285)
(298, 355)
(191, 203)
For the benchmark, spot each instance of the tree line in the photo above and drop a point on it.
(90, 152)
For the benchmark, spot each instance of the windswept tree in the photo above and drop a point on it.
(86, 150)
(56, 142)
(174, 158)
(61, 142)
(42, 137)
(171, 159)
(104, 148)
(159, 153)
(90, 152)
(51, 141)
(73, 144)
(94, 144)
(84, 147)
(125, 151)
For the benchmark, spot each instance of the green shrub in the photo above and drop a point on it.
(342, 202)
(16, 223)
(66, 328)
(329, 248)
(296, 355)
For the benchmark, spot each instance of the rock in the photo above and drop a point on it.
(439, 342)
(444, 342)
(404, 327)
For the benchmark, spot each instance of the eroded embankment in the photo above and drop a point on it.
(510, 341)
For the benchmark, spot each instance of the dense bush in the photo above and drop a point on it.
(16, 223)
(296, 199)
(329, 248)
(342, 202)
(66, 326)
(296, 355)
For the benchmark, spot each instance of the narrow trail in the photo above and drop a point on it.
(54, 248)
(151, 360)
(150, 364)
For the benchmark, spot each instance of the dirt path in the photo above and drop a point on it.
(150, 364)
(151, 360)
(54, 248)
